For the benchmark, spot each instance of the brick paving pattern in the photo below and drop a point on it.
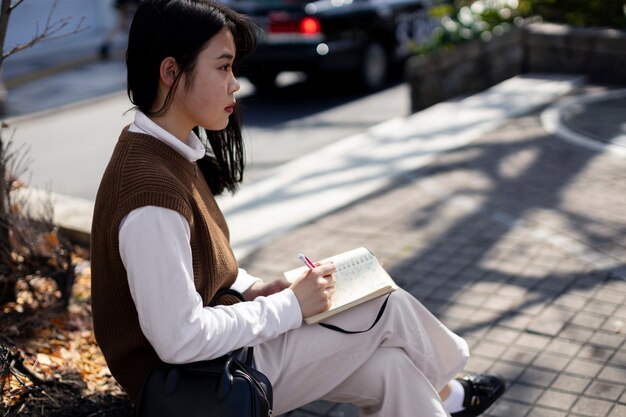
(517, 242)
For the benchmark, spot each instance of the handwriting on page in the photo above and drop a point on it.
(355, 277)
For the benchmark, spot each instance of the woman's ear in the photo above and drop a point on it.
(168, 71)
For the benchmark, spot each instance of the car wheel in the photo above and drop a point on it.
(374, 66)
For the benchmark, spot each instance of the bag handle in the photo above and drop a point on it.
(226, 383)
(225, 369)
(340, 330)
(225, 291)
(243, 354)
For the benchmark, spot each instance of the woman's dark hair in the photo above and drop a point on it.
(180, 29)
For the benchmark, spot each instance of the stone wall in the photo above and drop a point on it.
(600, 54)
(538, 47)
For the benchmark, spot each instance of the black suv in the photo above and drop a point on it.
(363, 38)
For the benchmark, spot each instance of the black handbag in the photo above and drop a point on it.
(224, 387)
(228, 386)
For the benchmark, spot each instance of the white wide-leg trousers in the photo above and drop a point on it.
(394, 370)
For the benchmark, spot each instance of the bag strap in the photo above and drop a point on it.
(229, 291)
(225, 291)
(244, 355)
(340, 330)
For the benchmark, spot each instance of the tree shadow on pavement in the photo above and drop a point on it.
(516, 241)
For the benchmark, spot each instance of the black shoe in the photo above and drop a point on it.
(481, 390)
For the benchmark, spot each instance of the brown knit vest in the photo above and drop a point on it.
(144, 171)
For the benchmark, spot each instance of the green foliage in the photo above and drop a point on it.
(463, 20)
(601, 13)
(468, 20)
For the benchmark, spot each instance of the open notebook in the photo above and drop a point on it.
(360, 278)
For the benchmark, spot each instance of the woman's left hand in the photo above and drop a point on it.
(265, 288)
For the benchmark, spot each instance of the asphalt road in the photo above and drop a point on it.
(302, 117)
(69, 122)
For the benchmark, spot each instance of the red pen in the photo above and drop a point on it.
(306, 261)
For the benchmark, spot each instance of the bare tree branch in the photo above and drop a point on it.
(17, 3)
(5, 14)
(49, 32)
(47, 35)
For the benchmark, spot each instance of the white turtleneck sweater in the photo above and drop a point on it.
(170, 310)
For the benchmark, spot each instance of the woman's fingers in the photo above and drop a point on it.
(330, 280)
(315, 289)
(326, 282)
(325, 269)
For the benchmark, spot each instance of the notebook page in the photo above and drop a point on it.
(358, 274)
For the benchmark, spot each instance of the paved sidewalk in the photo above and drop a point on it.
(517, 241)
(514, 238)
(596, 121)
(328, 179)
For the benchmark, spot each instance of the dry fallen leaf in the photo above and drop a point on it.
(44, 359)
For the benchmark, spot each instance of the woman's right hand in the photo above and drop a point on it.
(314, 289)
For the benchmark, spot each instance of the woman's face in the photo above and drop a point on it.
(206, 97)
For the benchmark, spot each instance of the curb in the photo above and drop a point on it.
(18, 80)
(72, 215)
(552, 122)
(302, 192)
(296, 188)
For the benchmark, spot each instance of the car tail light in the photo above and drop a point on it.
(310, 26)
(283, 26)
(306, 26)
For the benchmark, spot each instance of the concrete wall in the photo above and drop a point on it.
(598, 53)
(467, 68)
(476, 65)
